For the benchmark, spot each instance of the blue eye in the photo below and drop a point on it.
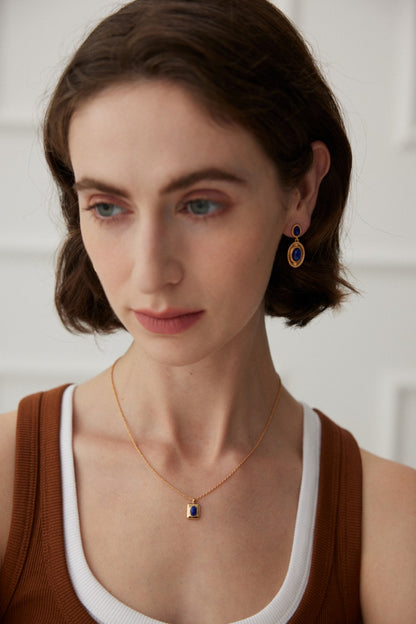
(202, 207)
(107, 211)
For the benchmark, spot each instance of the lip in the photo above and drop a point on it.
(171, 321)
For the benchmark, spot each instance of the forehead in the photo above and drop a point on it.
(143, 97)
(156, 129)
(147, 103)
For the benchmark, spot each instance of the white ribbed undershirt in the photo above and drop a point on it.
(104, 608)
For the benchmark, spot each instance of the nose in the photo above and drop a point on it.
(156, 252)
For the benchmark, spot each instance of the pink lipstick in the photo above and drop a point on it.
(171, 321)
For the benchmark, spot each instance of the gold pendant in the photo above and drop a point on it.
(193, 510)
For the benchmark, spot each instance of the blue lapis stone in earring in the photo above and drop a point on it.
(296, 254)
(296, 251)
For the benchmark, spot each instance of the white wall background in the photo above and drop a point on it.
(358, 365)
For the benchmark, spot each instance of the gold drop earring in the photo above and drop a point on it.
(296, 251)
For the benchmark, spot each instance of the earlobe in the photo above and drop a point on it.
(305, 196)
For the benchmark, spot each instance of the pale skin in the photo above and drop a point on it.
(167, 198)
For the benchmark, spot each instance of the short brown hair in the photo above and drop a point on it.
(247, 64)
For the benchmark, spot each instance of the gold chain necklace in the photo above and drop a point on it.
(193, 509)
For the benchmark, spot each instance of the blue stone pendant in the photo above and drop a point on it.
(193, 510)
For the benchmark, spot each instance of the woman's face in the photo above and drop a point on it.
(180, 216)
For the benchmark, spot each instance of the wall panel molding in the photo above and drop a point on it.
(11, 124)
(376, 260)
(27, 249)
(29, 367)
(397, 423)
(407, 75)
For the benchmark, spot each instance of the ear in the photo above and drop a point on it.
(304, 196)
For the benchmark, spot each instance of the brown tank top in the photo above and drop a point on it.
(35, 586)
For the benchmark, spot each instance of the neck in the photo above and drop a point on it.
(204, 408)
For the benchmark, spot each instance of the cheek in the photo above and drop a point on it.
(105, 256)
(247, 264)
(257, 250)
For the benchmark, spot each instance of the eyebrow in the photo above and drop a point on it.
(87, 184)
(211, 174)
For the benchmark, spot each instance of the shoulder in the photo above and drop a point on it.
(7, 459)
(388, 575)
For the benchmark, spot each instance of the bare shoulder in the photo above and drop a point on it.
(388, 576)
(7, 457)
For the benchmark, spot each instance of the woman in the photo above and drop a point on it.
(194, 142)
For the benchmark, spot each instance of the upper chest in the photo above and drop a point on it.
(140, 545)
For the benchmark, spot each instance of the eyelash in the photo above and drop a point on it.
(94, 208)
(219, 207)
(184, 208)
